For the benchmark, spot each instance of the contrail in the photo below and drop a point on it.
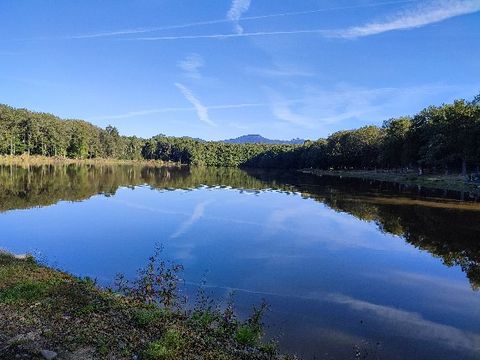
(226, 36)
(220, 21)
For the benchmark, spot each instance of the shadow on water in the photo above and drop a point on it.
(432, 220)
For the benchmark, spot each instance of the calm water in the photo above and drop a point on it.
(343, 264)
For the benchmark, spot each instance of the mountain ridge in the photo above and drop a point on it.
(259, 139)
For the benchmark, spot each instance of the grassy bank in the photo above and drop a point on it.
(443, 182)
(45, 309)
(32, 160)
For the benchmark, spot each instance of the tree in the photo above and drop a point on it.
(392, 148)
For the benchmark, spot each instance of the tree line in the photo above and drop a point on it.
(33, 133)
(438, 138)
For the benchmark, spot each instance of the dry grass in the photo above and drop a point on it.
(34, 160)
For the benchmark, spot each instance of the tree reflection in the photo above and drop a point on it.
(434, 222)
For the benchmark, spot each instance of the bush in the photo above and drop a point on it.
(167, 348)
(146, 316)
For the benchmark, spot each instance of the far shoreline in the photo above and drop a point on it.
(36, 160)
(453, 182)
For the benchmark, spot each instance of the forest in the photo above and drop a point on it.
(442, 138)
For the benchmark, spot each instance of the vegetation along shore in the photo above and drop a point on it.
(452, 182)
(438, 139)
(47, 314)
(39, 160)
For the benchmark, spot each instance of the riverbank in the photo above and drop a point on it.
(35, 160)
(48, 314)
(442, 182)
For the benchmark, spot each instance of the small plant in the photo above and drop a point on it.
(146, 316)
(88, 281)
(204, 319)
(27, 291)
(157, 283)
(250, 332)
(229, 320)
(247, 335)
(269, 348)
(205, 312)
(102, 346)
(167, 348)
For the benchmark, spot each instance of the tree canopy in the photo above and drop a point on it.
(438, 137)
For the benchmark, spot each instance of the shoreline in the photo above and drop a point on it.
(44, 311)
(35, 160)
(430, 181)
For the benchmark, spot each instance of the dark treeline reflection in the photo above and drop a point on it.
(432, 221)
(26, 187)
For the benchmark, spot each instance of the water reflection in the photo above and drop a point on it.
(441, 225)
(310, 245)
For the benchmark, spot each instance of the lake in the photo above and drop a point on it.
(348, 267)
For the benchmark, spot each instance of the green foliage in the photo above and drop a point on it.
(392, 148)
(167, 347)
(247, 335)
(250, 332)
(86, 310)
(146, 316)
(446, 136)
(157, 283)
(26, 291)
(116, 326)
(32, 133)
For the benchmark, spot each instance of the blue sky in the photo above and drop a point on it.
(220, 68)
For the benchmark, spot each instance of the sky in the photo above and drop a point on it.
(219, 69)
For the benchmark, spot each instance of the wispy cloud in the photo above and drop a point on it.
(321, 108)
(282, 111)
(191, 65)
(197, 214)
(281, 219)
(114, 33)
(277, 71)
(237, 8)
(369, 105)
(419, 16)
(413, 324)
(136, 113)
(202, 111)
(152, 111)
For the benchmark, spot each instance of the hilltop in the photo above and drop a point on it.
(259, 139)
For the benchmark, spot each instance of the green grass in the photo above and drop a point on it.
(167, 347)
(27, 291)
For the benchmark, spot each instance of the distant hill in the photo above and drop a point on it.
(258, 139)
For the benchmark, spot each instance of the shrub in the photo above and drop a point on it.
(146, 316)
(167, 348)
